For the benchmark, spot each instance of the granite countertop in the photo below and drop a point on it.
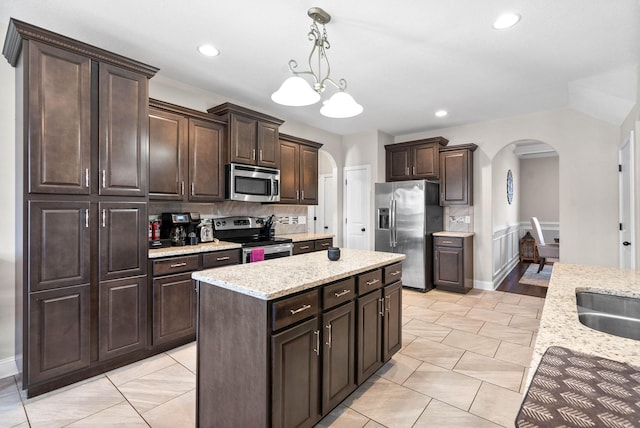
(560, 326)
(192, 249)
(297, 237)
(275, 278)
(454, 234)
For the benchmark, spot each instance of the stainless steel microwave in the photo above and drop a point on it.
(252, 183)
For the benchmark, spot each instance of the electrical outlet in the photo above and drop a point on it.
(467, 219)
(302, 219)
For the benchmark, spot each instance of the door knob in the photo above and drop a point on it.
(362, 230)
(626, 243)
(326, 227)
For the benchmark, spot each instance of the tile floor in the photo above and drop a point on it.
(463, 364)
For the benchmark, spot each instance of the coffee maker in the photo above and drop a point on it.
(192, 228)
(174, 226)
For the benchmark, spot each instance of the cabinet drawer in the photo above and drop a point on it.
(323, 244)
(303, 247)
(392, 273)
(176, 265)
(447, 241)
(339, 292)
(369, 281)
(220, 258)
(293, 309)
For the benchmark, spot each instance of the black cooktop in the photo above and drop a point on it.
(258, 241)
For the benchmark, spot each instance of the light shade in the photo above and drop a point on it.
(506, 20)
(341, 105)
(295, 91)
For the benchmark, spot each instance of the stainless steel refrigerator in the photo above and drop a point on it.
(407, 215)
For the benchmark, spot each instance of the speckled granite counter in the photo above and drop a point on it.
(297, 237)
(192, 249)
(280, 277)
(560, 326)
(454, 234)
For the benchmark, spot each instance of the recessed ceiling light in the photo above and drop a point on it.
(441, 113)
(208, 50)
(506, 20)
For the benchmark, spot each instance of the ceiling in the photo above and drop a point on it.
(402, 60)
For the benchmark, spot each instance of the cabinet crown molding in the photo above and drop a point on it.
(299, 140)
(227, 108)
(471, 147)
(19, 31)
(185, 111)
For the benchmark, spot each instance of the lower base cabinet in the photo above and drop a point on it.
(174, 308)
(369, 335)
(392, 328)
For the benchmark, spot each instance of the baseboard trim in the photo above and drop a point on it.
(8, 367)
(505, 271)
(484, 285)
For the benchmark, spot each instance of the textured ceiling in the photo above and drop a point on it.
(403, 60)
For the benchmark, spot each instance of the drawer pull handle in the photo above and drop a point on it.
(304, 247)
(219, 259)
(300, 309)
(398, 272)
(325, 244)
(447, 242)
(373, 281)
(175, 265)
(342, 293)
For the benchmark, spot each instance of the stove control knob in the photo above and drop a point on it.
(224, 223)
(217, 223)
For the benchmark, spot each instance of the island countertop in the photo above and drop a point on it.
(560, 326)
(287, 275)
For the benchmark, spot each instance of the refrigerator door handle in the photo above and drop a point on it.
(393, 223)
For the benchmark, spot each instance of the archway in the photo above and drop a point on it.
(325, 214)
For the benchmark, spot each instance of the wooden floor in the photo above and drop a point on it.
(510, 283)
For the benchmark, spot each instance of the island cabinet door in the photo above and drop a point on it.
(338, 358)
(392, 331)
(295, 375)
(369, 335)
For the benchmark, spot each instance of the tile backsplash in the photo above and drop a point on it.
(289, 218)
(458, 218)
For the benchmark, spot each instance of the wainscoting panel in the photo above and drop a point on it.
(506, 251)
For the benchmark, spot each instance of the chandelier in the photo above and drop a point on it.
(296, 91)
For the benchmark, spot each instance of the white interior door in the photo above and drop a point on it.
(356, 205)
(626, 189)
(326, 204)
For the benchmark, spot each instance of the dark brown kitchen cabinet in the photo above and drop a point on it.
(83, 130)
(174, 308)
(369, 335)
(186, 159)
(303, 247)
(298, 170)
(392, 323)
(453, 263)
(123, 316)
(414, 160)
(456, 172)
(252, 136)
(323, 244)
(295, 375)
(59, 333)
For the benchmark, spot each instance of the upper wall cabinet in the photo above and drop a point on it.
(298, 170)
(186, 158)
(414, 160)
(252, 136)
(456, 173)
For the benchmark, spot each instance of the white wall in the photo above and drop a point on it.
(540, 189)
(7, 195)
(588, 178)
(503, 213)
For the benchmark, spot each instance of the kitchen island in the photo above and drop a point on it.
(282, 342)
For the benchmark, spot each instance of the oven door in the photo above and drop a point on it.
(270, 252)
(252, 184)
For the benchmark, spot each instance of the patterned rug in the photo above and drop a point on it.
(532, 277)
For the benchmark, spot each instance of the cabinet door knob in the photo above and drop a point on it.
(363, 230)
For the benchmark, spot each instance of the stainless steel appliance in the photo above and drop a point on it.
(174, 226)
(252, 183)
(253, 233)
(407, 215)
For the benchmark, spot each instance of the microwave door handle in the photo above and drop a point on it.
(274, 187)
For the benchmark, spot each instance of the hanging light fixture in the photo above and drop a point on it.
(296, 91)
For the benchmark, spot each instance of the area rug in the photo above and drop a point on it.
(531, 277)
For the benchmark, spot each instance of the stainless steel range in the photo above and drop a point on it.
(256, 236)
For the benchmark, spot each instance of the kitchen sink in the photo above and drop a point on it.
(615, 315)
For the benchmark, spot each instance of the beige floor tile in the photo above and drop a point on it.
(75, 403)
(523, 311)
(503, 332)
(533, 340)
(460, 323)
(343, 417)
(426, 330)
(416, 298)
(399, 368)
(523, 385)
(178, 412)
(139, 369)
(443, 296)
(525, 323)
(439, 414)
(422, 314)
(511, 298)
(11, 410)
(450, 308)
(387, 403)
(472, 342)
(496, 404)
(407, 338)
(374, 424)
(497, 372)
(433, 352)
(120, 415)
(185, 355)
(489, 316)
(452, 388)
(405, 319)
(513, 353)
(158, 387)
(534, 302)
(8, 386)
(477, 302)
